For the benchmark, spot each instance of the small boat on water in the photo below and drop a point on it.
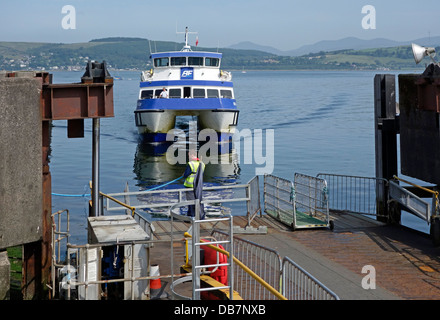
(186, 83)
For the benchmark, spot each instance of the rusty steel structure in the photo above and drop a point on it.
(92, 98)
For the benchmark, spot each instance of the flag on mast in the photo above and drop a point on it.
(197, 40)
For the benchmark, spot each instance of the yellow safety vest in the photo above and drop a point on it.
(194, 165)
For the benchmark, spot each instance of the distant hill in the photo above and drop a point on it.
(133, 54)
(341, 44)
(247, 45)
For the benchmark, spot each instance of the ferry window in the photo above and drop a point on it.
(198, 93)
(226, 94)
(178, 61)
(147, 94)
(175, 93)
(211, 62)
(161, 62)
(212, 93)
(157, 93)
(195, 61)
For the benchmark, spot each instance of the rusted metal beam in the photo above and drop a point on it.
(77, 101)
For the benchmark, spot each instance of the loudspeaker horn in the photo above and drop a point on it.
(421, 52)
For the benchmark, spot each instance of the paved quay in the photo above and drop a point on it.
(406, 264)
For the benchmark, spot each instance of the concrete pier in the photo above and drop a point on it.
(21, 192)
(5, 269)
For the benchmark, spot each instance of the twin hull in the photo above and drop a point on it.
(156, 117)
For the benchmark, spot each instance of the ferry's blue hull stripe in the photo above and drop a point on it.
(187, 104)
(166, 83)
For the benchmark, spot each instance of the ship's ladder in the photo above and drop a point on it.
(193, 263)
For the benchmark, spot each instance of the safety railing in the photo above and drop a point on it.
(158, 202)
(146, 225)
(354, 194)
(298, 284)
(263, 261)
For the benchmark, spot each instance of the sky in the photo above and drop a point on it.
(282, 24)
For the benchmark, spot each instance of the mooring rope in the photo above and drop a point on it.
(70, 195)
(165, 184)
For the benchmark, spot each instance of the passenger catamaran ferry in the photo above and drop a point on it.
(186, 83)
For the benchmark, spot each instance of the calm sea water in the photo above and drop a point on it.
(323, 122)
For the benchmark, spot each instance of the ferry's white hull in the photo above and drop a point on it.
(162, 121)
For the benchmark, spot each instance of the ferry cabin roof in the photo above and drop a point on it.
(186, 54)
(186, 58)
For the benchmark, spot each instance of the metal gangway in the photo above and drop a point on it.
(300, 204)
(417, 206)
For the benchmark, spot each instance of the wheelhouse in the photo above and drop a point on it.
(186, 59)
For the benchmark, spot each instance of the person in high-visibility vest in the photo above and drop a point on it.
(191, 170)
(189, 176)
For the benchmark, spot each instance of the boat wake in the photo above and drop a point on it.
(322, 112)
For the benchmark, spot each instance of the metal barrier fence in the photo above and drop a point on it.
(298, 284)
(292, 281)
(263, 261)
(353, 194)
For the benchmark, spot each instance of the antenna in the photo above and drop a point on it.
(186, 47)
